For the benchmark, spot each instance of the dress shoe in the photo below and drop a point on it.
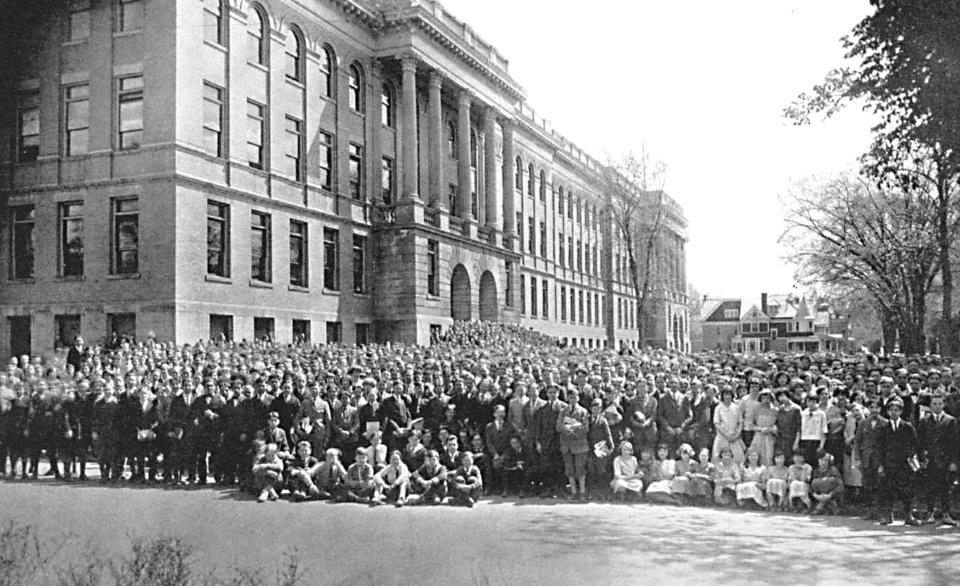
(912, 521)
(931, 519)
(948, 520)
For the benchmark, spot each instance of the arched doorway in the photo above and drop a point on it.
(460, 294)
(488, 298)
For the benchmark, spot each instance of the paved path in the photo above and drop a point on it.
(497, 542)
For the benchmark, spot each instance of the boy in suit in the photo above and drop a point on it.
(898, 450)
(939, 443)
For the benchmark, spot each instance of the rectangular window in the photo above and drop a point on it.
(334, 332)
(212, 24)
(563, 303)
(533, 296)
(580, 305)
(130, 15)
(28, 141)
(573, 305)
(71, 239)
(78, 27)
(359, 264)
(23, 221)
(386, 180)
(301, 331)
(263, 329)
(67, 329)
(325, 174)
(126, 236)
(260, 247)
(579, 256)
(532, 238)
(730, 314)
(570, 252)
(78, 119)
(562, 256)
(298, 253)
(362, 334)
(519, 225)
(212, 119)
(292, 148)
(596, 309)
(386, 107)
(545, 298)
(452, 198)
(589, 309)
(221, 328)
(218, 225)
(356, 171)
(543, 239)
(433, 267)
(130, 98)
(508, 285)
(331, 259)
(256, 129)
(523, 295)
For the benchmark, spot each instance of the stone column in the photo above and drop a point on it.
(436, 143)
(509, 171)
(464, 195)
(409, 67)
(494, 205)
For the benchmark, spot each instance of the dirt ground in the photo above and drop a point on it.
(496, 542)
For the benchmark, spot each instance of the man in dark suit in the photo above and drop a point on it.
(939, 443)
(866, 445)
(77, 354)
(497, 439)
(898, 452)
(396, 417)
(672, 417)
(547, 441)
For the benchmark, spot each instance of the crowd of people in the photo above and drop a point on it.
(493, 410)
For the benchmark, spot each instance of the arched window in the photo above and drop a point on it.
(531, 179)
(543, 186)
(256, 33)
(326, 73)
(386, 105)
(293, 66)
(518, 175)
(355, 91)
(560, 204)
(451, 140)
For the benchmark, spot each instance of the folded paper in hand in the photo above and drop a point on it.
(601, 449)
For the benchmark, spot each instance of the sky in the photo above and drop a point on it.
(701, 85)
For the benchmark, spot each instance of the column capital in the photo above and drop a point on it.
(435, 79)
(408, 61)
(508, 123)
(464, 97)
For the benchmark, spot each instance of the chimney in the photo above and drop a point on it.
(763, 302)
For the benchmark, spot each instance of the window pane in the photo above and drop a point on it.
(79, 25)
(131, 115)
(78, 114)
(131, 15)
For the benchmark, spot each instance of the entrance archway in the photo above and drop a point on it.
(488, 298)
(460, 294)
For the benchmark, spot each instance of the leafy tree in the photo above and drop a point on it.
(908, 55)
(637, 207)
(849, 232)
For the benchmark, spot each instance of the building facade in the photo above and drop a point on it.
(324, 170)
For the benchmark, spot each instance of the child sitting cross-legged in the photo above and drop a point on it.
(428, 484)
(267, 471)
(359, 486)
(798, 480)
(627, 477)
(392, 481)
(301, 471)
(331, 476)
(777, 483)
(826, 486)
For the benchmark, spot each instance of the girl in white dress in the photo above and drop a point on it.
(627, 476)
(751, 485)
(666, 468)
(728, 422)
(777, 483)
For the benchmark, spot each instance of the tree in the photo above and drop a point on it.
(637, 207)
(908, 74)
(849, 232)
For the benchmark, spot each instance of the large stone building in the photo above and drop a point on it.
(329, 170)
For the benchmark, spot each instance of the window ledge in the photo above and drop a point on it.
(261, 284)
(363, 295)
(259, 66)
(330, 291)
(298, 288)
(295, 82)
(69, 278)
(127, 33)
(122, 276)
(218, 279)
(215, 46)
(29, 281)
(74, 43)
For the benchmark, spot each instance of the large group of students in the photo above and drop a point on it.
(494, 411)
